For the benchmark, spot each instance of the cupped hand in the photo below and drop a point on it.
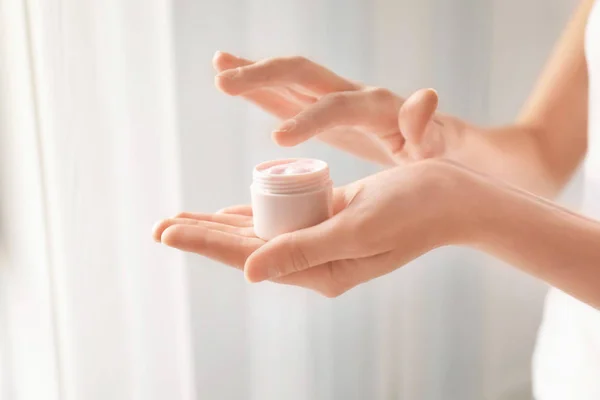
(369, 122)
(380, 223)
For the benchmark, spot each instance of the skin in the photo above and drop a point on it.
(488, 178)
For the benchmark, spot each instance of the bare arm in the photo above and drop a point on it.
(537, 236)
(543, 149)
(390, 218)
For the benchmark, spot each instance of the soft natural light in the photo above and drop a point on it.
(110, 120)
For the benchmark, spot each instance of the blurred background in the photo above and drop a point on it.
(109, 121)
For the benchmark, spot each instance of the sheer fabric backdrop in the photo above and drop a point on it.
(109, 121)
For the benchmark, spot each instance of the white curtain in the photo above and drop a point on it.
(93, 308)
(109, 120)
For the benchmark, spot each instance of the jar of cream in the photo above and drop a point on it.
(288, 195)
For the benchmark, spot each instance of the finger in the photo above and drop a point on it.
(416, 113)
(243, 209)
(273, 103)
(341, 198)
(334, 278)
(299, 250)
(223, 61)
(164, 224)
(229, 219)
(287, 71)
(317, 278)
(267, 99)
(296, 96)
(356, 142)
(415, 119)
(370, 109)
(220, 246)
(282, 102)
(342, 275)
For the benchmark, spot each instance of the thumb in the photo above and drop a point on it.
(297, 251)
(415, 120)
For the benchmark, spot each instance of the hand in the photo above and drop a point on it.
(380, 223)
(372, 123)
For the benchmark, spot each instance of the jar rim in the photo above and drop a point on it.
(260, 168)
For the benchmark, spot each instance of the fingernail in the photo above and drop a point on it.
(287, 126)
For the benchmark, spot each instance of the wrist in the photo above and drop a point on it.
(464, 201)
(487, 208)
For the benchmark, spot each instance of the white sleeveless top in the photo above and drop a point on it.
(566, 363)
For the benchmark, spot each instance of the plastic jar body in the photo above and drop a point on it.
(288, 195)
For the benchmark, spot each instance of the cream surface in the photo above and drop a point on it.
(293, 168)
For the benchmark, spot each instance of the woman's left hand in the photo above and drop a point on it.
(370, 122)
(380, 223)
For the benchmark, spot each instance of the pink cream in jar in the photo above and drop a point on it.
(288, 195)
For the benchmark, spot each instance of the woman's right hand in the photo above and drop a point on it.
(371, 123)
(380, 223)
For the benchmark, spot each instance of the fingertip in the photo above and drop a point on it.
(256, 271)
(283, 139)
(172, 235)
(432, 91)
(239, 210)
(160, 227)
(422, 97)
(223, 61)
(430, 97)
(250, 276)
(225, 81)
(216, 60)
(416, 112)
(287, 134)
(221, 84)
(157, 230)
(249, 269)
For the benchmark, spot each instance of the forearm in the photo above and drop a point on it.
(513, 154)
(541, 151)
(539, 237)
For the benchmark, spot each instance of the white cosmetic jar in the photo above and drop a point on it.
(290, 194)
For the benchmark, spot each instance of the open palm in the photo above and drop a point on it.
(228, 237)
(380, 223)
